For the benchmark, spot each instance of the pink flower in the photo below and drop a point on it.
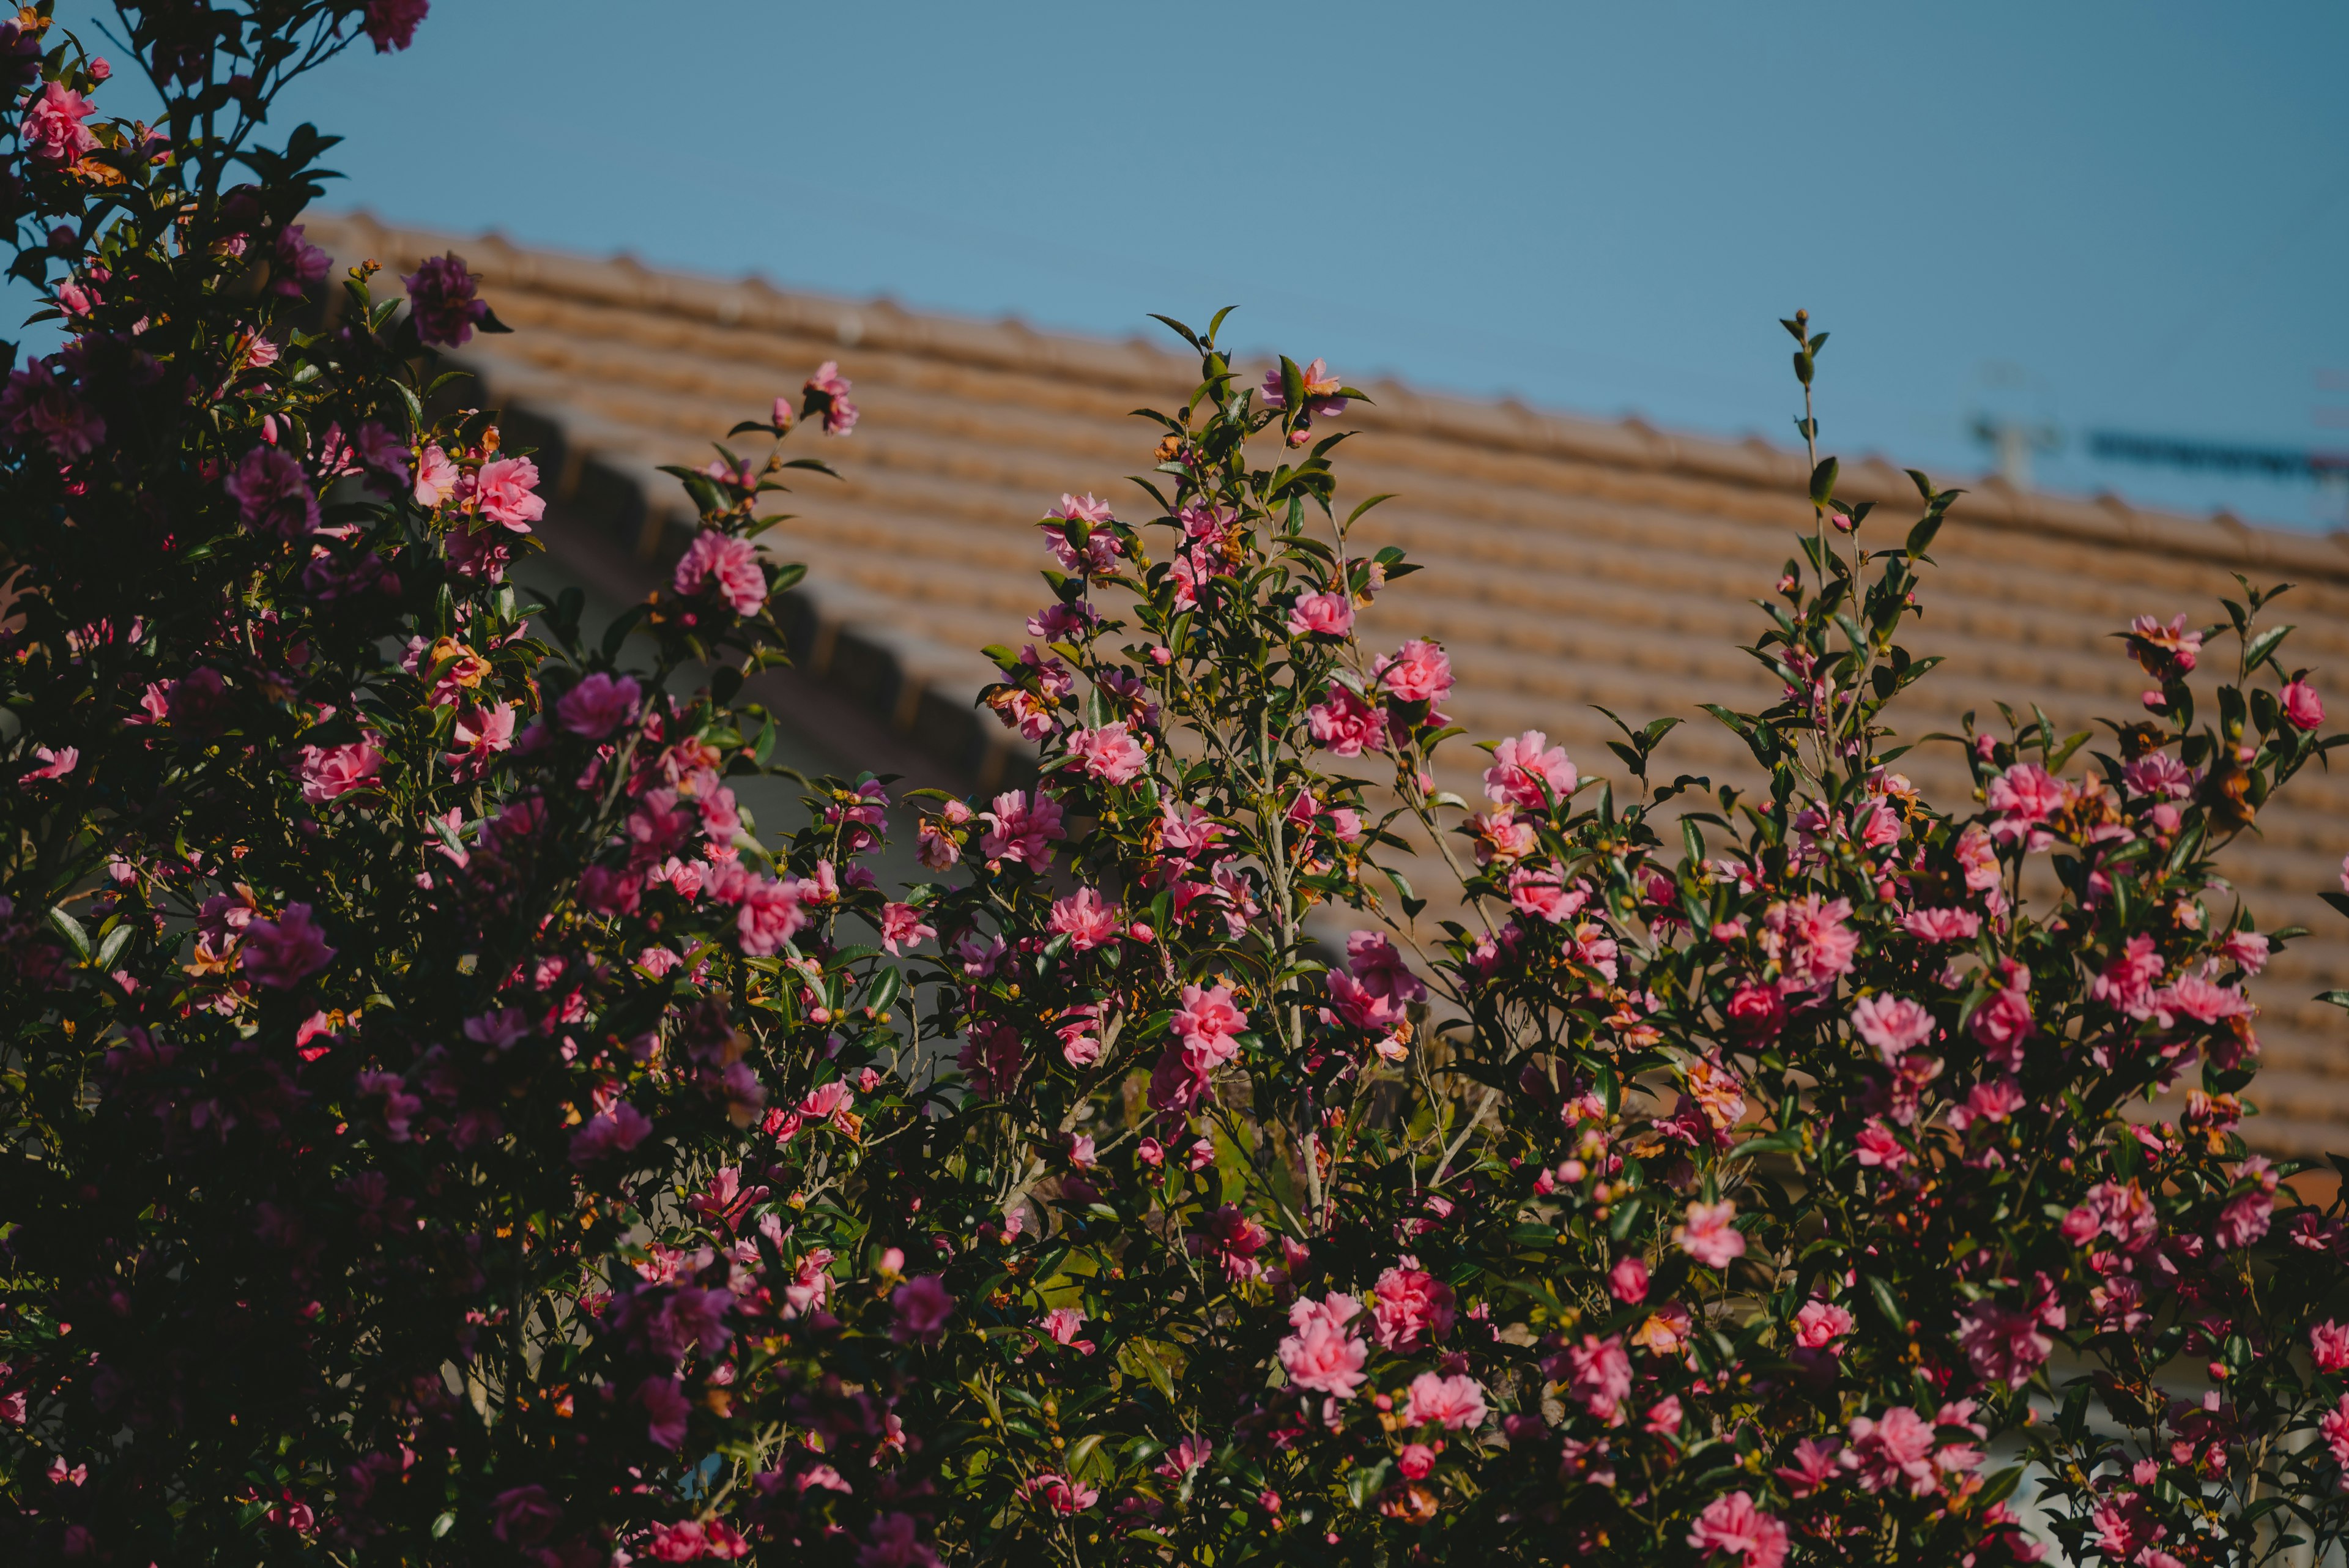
(666, 1409)
(826, 393)
(284, 952)
(1321, 614)
(1708, 1234)
(2167, 652)
(1599, 1375)
(1110, 754)
(1992, 1102)
(1893, 1025)
(1409, 1307)
(1813, 1466)
(1895, 1450)
(2004, 1345)
(896, 1544)
(524, 1515)
(1018, 832)
(1539, 891)
(599, 705)
(1942, 925)
(1414, 1460)
(299, 263)
(1321, 397)
(2002, 1022)
(2302, 709)
(273, 495)
(55, 764)
(2247, 950)
(1879, 1144)
(1522, 766)
(767, 914)
(901, 924)
(1207, 1018)
(1455, 1403)
(1733, 1526)
(1756, 1012)
(391, 25)
(2334, 1429)
(1418, 673)
(730, 565)
(2202, 1000)
(436, 478)
(1810, 941)
(1321, 1355)
(337, 770)
(1627, 1282)
(1063, 1324)
(2127, 984)
(1185, 1457)
(1086, 919)
(36, 404)
(614, 1130)
(2329, 1342)
(2240, 1222)
(1820, 1324)
(923, 1308)
(2024, 796)
(442, 300)
(2159, 776)
(506, 490)
(52, 131)
(1344, 724)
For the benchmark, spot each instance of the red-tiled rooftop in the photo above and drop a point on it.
(1571, 561)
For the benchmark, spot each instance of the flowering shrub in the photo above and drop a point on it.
(443, 1128)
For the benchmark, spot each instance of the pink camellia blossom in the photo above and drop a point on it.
(1019, 832)
(384, 454)
(1734, 1526)
(902, 927)
(2202, 1000)
(443, 300)
(826, 394)
(299, 265)
(1809, 939)
(666, 1409)
(923, 1308)
(768, 913)
(1059, 1493)
(1062, 1325)
(1381, 968)
(1892, 1450)
(2167, 652)
(598, 704)
(2329, 1343)
(1756, 1012)
(1820, 1324)
(2002, 1022)
(1878, 1147)
(1813, 1466)
(729, 564)
(1522, 766)
(1894, 1026)
(1599, 1376)
(2130, 981)
(2003, 1344)
(391, 26)
(2024, 796)
(328, 772)
(1708, 1234)
(1415, 1461)
(507, 491)
(1992, 1102)
(1321, 1354)
(614, 1130)
(1665, 1416)
(284, 952)
(1343, 724)
(2245, 1220)
(1086, 919)
(1110, 754)
(1627, 1282)
(2159, 776)
(1321, 614)
(1409, 1307)
(1540, 891)
(1942, 925)
(1321, 398)
(36, 405)
(52, 130)
(524, 1515)
(896, 1543)
(436, 478)
(1208, 1017)
(273, 495)
(1455, 1403)
(2334, 1429)
(1418, 673)
(2246, 949)
(2302, 709)
(55, 762)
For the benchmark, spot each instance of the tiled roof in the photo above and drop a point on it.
(1571, 561)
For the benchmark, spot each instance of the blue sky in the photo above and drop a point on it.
(2086, 215)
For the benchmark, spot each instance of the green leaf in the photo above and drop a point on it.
(1823, 480)
(66, 926)
(111, 947)
(1886, 1301)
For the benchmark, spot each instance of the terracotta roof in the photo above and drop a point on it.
(1571, 561)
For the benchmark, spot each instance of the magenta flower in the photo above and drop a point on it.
(2329, 1343)
(1627, 1282)
(826, 395)
(923, 1308)
(524, 1515)
(506, 493)
(729, 564)
(615, 1130)
(392, 24)
(1321, 1354)
(1522, 766)
(284, 952)
(666, 1410)
(1409, 1307)
(1708, 1234)
(599, 705)
(902, 927)
(301, 265)
(1019, 832)
(443, 301)
(38, 406)
(273, 495)
(52, 130)
(55, 762)
(2302, 709)
(1735, 1527)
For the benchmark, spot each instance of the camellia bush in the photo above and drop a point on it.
(443, 1127)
